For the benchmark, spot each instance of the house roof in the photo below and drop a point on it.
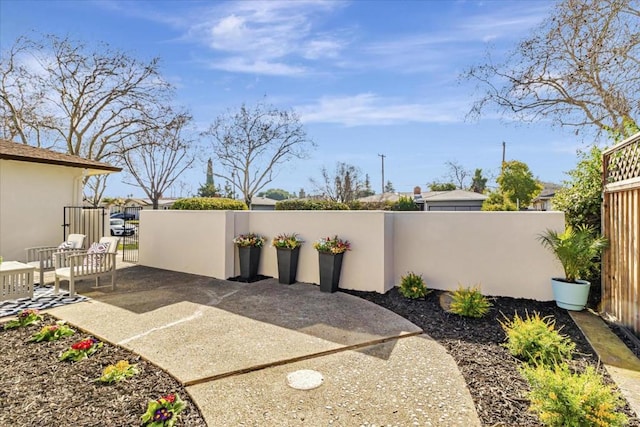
(263, 201)
(26, 153)
(427, 196)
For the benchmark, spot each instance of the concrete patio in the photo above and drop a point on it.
(233, 344)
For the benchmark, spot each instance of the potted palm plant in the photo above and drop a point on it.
(249, 246)
(577, 250)
(288, 250)
(330, 253)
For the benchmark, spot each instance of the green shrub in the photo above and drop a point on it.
(209, 203)
(469, 302)
(536, 341)
(310, 205)
(405, 204)
(412, 286)
(370, 206)
(562, 398)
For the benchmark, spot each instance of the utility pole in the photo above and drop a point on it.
(504, 150)
(382, 156)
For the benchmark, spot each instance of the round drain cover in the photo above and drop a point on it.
(305, 379)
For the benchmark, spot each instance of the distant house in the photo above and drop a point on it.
(543, 201)
(262, 204)
(119, 205)
(35, 186)
(455, 200)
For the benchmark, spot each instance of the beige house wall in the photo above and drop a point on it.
(498, 250)
(32, 198)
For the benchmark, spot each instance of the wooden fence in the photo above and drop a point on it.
(621, 225)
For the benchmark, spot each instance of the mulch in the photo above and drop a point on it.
(491, 373)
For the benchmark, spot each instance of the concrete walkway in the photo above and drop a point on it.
(233, 344)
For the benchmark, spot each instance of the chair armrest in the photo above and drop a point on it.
(84, 264)
(63, 258)
(33, 252)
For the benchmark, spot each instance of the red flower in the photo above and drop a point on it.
(83, 345)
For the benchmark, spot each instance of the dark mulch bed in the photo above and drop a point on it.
(253, 279)
(498, 390)
(38, 390)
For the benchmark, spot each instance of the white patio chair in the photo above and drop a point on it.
(41, 257)
(87, 265)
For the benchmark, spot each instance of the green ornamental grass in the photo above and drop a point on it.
(412, 286)
(469, 302)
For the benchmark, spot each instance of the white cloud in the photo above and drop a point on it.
(369, 109)
(242, 65)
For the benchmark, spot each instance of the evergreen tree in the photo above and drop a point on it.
(478, 183)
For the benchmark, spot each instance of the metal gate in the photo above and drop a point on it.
(130, 238)
(85, 220)
(621, 225)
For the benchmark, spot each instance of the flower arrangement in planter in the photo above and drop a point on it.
(26, 317)
(249, 246)
(118, 372)
(52, 332)
(288, 250)
(81, 350)
(577, 250)
(249, 240)
(330, 253)
(163, 412)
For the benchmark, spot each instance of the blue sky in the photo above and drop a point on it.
(366, 77)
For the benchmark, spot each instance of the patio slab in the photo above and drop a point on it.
(201, 329)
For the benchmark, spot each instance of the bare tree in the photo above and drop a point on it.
(87, 102)
(251, 142)
(159, 158)
(344, 185)
(580, 68)
(458, 174)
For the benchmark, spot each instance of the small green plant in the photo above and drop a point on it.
(562, 398)
(412, 286)
(81, 350)
(536, 341)
(209, 203)
(52, 332)
(25, 318)
(469, 302)
(405, 203)
(163, 412)
(118, 372)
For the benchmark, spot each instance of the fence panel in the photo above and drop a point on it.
(130, 243)
(621, 225)
(85, 220)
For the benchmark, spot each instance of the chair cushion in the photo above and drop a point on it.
(64, 272)
(99, 249)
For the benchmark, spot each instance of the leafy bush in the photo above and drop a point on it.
(209, 203)
(469, 302)
(412, 286)
(310, 205)
(563, 398)
(405, 204)
(536, 341)
(370, 206)
(118, 372)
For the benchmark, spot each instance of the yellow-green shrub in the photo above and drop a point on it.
(536, 341)
(209, 203)
(562, 398)
(469, 302)
(412, 286)
(310, 205)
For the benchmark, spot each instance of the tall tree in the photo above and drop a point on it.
(276, 194)
(478, 182)
(366, 191)
(389, 188)
(580, 68)
(457, 174)
(252, 142)
(442, 186)
(208, 189)
(344, 185)
(159, 157)
(518, 184)
(86, 101)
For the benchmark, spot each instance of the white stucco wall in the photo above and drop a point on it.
(497, 250)
(32, 198)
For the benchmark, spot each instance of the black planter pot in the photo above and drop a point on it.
(249, 261)
(287, 264)
(330, 266)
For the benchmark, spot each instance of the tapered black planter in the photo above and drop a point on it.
(287, 264)
(330, 266)
(249, 261)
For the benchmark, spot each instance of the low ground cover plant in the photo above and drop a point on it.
(52, 332)
(413, 286)
(469, 302)
(25, 318)
(118, 372)
(535, 340)
(563, 398)
(163, 412)
(81, 350)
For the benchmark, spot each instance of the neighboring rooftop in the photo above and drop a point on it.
(26, 153)
(439, 196)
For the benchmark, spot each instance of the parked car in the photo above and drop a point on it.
(119, 228)
(124, 215)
